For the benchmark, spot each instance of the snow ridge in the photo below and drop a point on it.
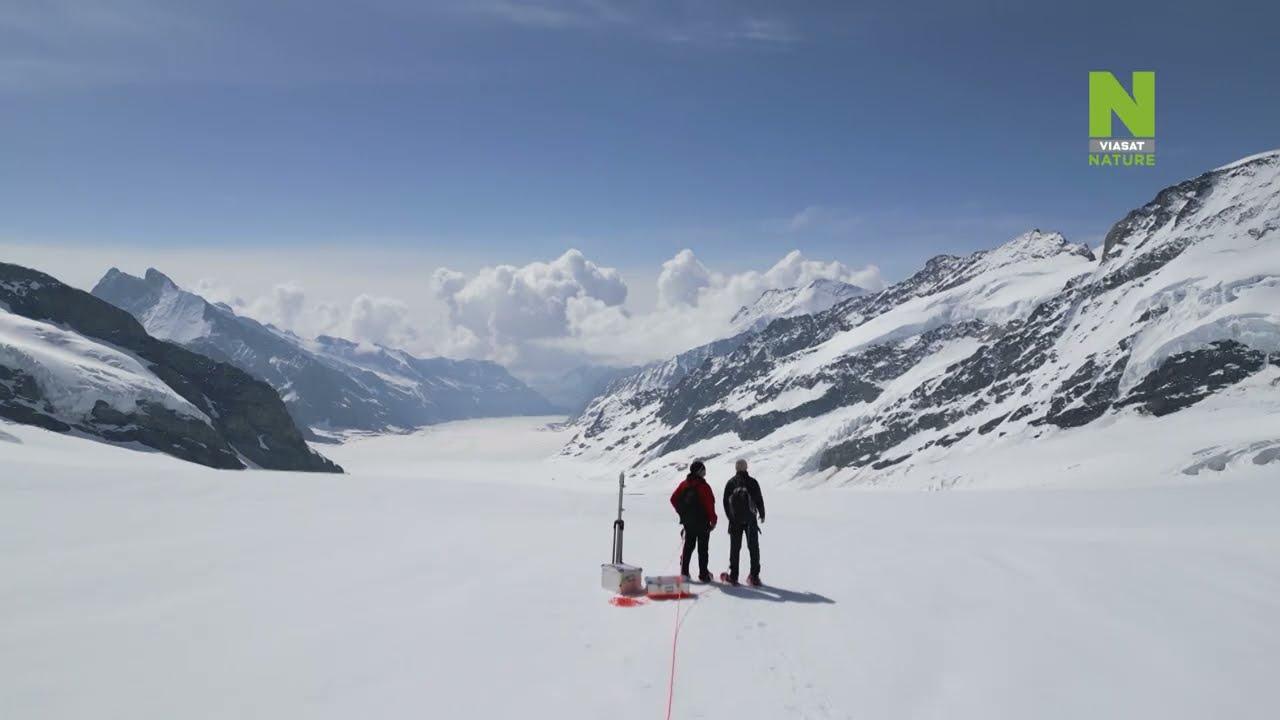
(789, 302)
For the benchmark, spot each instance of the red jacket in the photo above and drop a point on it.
(705, 494)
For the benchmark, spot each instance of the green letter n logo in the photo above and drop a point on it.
(1107, 96)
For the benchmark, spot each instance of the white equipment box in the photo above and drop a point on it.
(664, 587)
(621, 578)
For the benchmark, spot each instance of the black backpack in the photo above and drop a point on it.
(689, 506)
(741, 507)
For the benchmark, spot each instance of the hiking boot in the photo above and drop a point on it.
(704, 577)
(728, 579)
(754, 581)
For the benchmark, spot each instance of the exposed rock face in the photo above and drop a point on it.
(327, 383)
(190, 406)
(1035, 336)
(1185, 379)
(642, 386)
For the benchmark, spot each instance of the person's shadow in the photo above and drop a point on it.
(775, 594)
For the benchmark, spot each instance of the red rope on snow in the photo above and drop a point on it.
(675, 636)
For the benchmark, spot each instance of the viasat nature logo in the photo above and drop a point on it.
(1109, 100)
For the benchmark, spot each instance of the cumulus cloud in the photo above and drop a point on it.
(695, 305)
(795, 270)
(544, 318)
(686, 281)
(381, 320)
(681, 279)
(367, 318)
(281, 307)
(501, 309)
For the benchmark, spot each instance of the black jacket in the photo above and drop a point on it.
(757, 500)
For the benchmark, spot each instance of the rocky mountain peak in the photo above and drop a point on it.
(1034, 245)
(1183, 211)
(157, 279)
(814, 296)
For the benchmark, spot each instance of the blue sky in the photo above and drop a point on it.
(495, 131)
(507, 131)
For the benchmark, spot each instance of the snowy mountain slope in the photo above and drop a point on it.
(431, 389)
(137, 586)
(940, 304)
(789, 302)
(1004, 346)
(327, 383)
(77, 372)
(72, 363)
(640, 387)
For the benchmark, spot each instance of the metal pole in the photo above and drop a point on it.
(618, 524)
(622, 482)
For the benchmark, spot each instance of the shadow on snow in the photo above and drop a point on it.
(775, 594)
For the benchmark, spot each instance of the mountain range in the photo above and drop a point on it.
(328, 383)
(975, 353)
(72, 363)
(1174, 315)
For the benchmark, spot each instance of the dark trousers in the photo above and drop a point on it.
(735, 547)
(698, 536)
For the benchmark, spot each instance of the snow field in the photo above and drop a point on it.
(455, 573)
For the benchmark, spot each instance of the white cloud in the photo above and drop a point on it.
(695, 306)
(794, 270)
(822, 219)
(681, 279)
(548, 15)
(705, 24)
(541, 318)
(381, 320)
(368, 318)
(771, 30)
(545, 317)
(281, 307)
(503, 308)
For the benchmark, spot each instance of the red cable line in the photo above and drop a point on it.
(675, 634)
(671, 681)
(675, 637)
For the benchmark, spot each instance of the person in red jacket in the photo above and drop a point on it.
(696, 504)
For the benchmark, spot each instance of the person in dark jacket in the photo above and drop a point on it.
(696, 505)
(743, 504)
